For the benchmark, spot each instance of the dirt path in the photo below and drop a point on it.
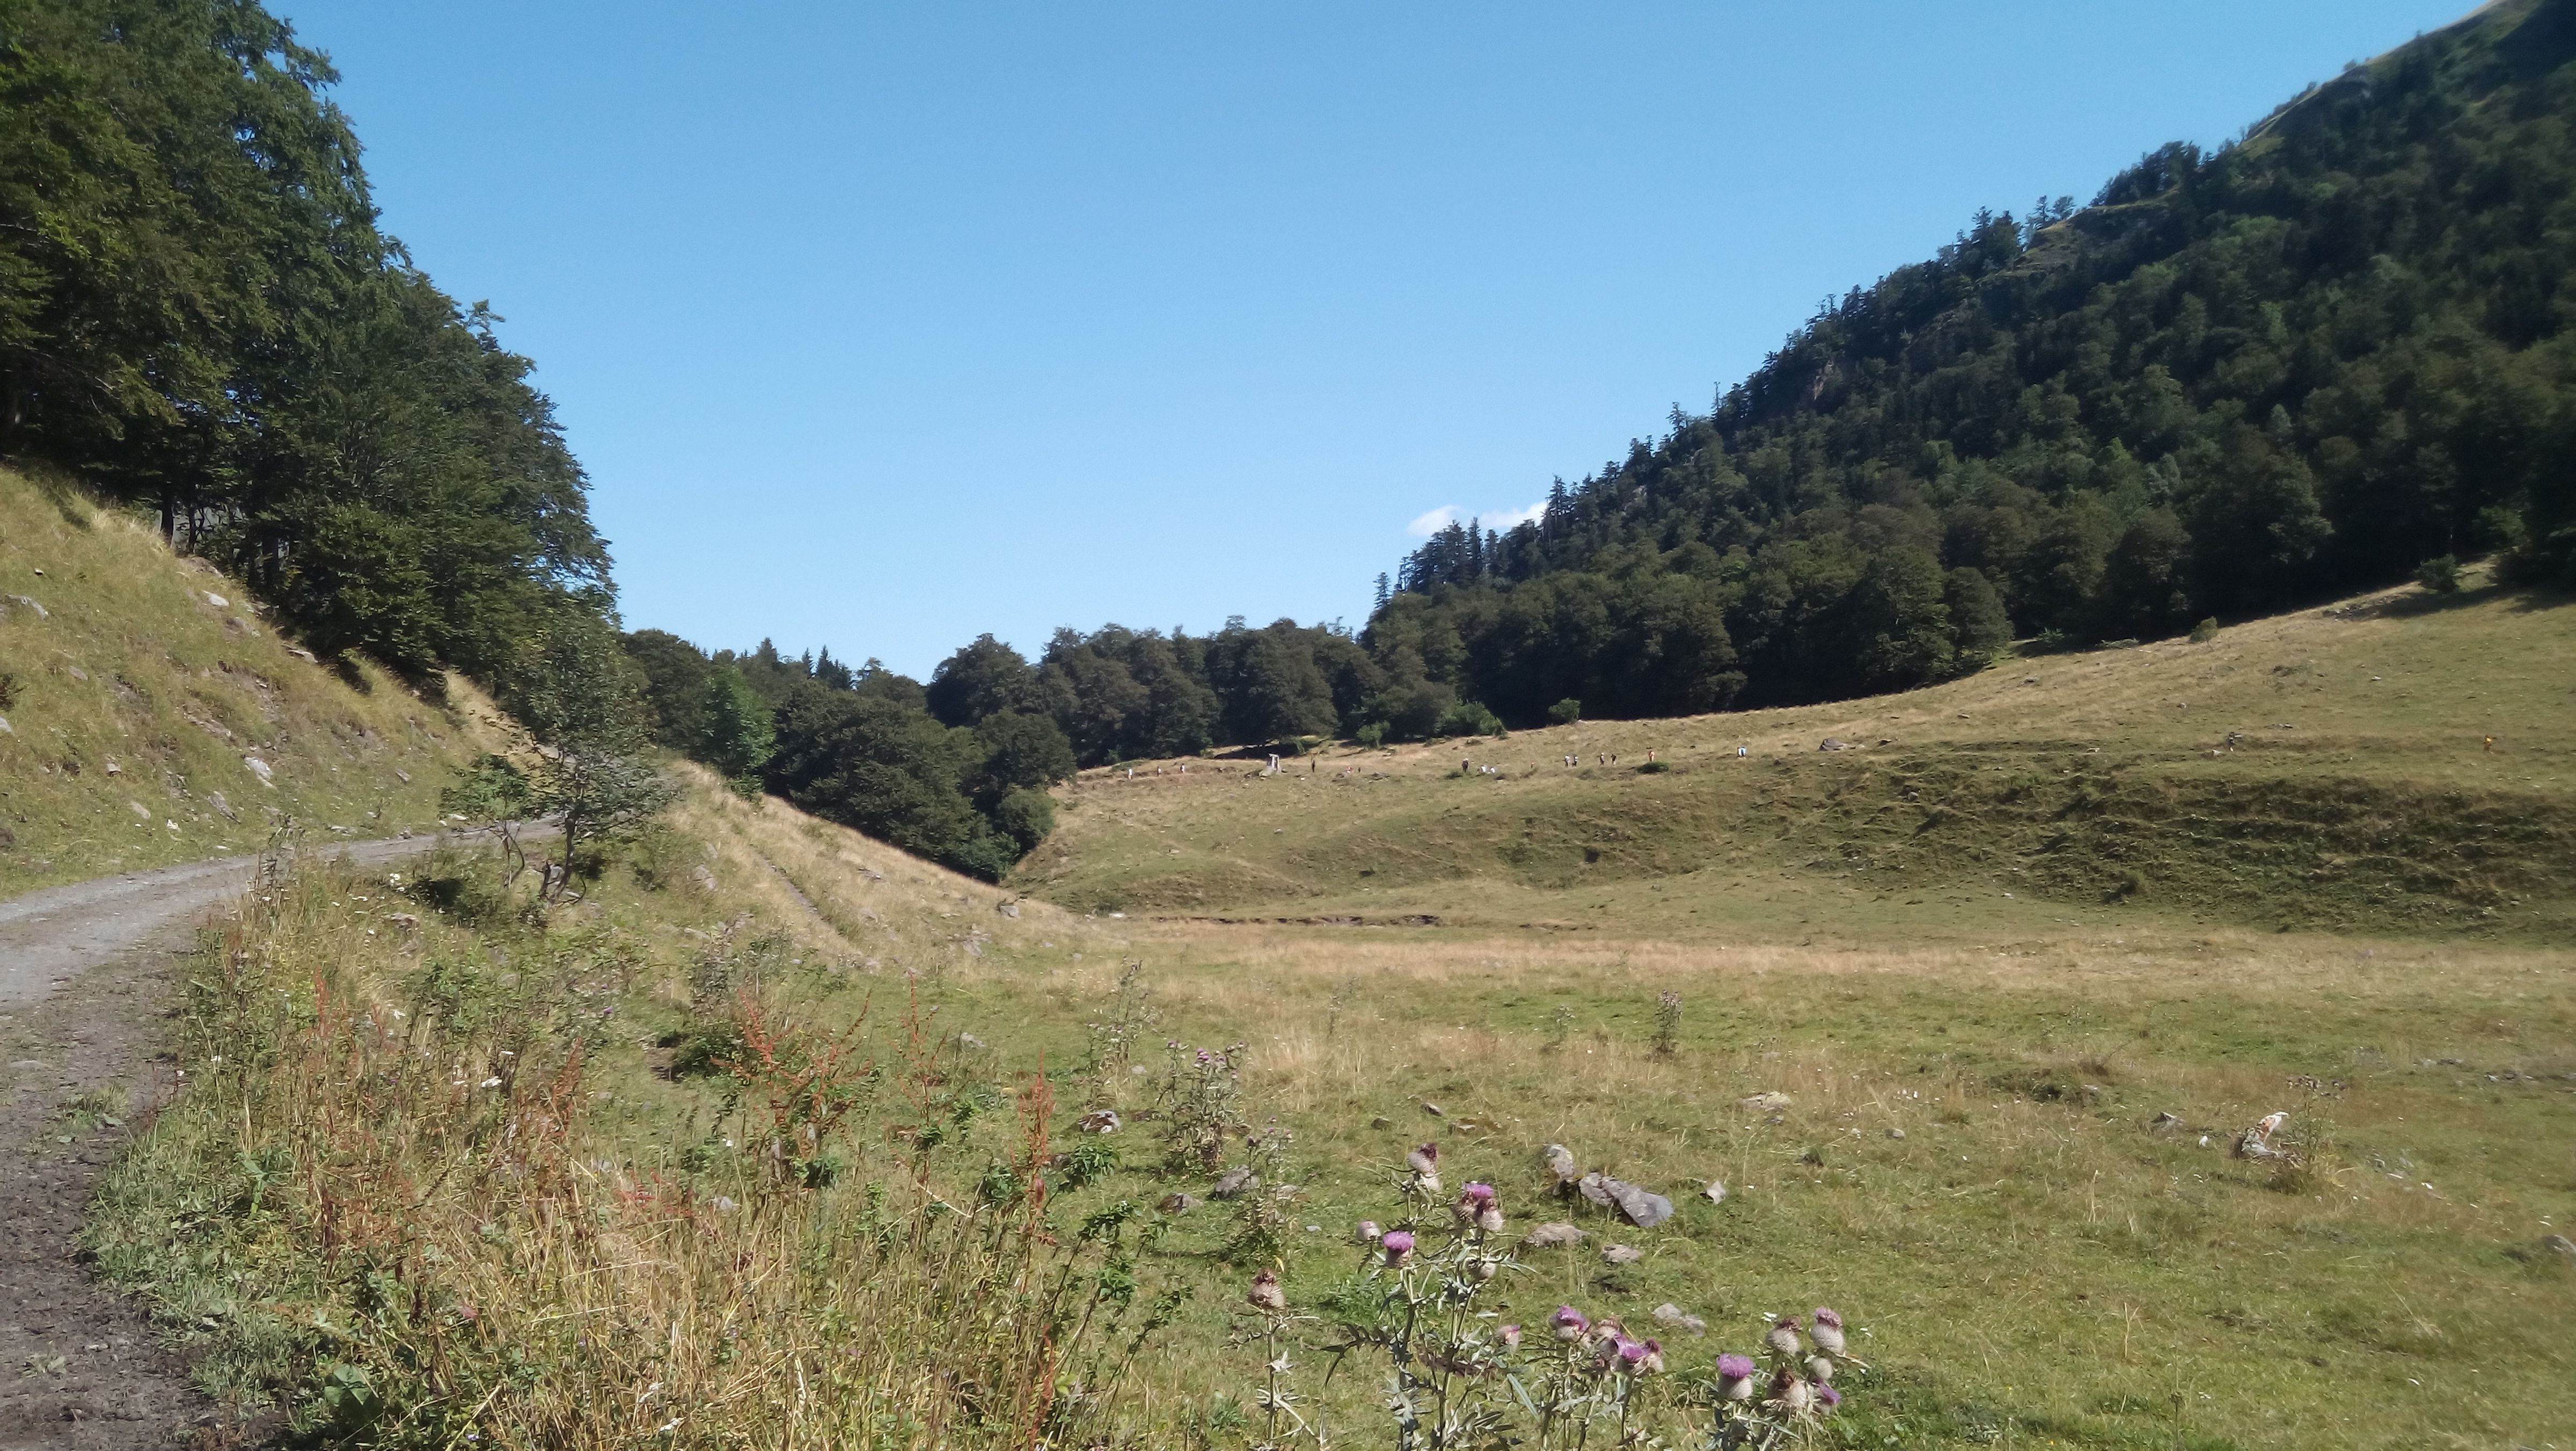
(84, 989)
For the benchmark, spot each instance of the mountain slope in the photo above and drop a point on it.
(154, 715)
(2297, 366)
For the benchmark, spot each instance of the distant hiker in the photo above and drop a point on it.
(2490, 743)
(1742, 751)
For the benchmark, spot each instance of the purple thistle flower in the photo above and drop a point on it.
(1569, 1323)
(1828, 1397)
(1826, 1329)
(1265, 1293)
(1632, 1355)
(1783, 1335)
(1398, 1244)
(1735, 1377)
(1510, 1336)
(1425, 1159)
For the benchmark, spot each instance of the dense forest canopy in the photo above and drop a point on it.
(2303, 364)
(199, 314)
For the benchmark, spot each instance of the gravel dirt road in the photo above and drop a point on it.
(85, 978)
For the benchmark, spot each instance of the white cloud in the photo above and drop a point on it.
(1500, 521)
(1433, 522)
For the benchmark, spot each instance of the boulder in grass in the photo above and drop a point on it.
(1769, 1101)
(1552, 1235)
(1560, 1162)
(1621, 1254)
(1234, 1184)
(1177, 1203)
(1644, 1208)
(1673, 1317)
(1829, 743)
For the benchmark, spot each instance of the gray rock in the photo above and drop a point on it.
(2558, 1244)
(1831, 744)
(1644, 1208)
(1621, 1254)
(1235, 1183)
(1560, 1162)
(1552, 1235)
(1177, 1203)
(1771, 1101)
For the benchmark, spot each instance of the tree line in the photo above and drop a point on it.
(200, 316)
(2327, 355)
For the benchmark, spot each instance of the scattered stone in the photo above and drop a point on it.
(1560, 1162)
(300, 653)
(218, 601)
(2256, 1142)
(1829, 743)
(1381, 1122)
(1007, 909)
(1896, 1133)
(4, 727)
(1552, 1235)
(222, 807)
(1770, 1101)
(1177, 1203)
(1098, 1121)
(701, 878)
(1621, 1254)
(2166, 1121)
(114, 769)
(31, 604)
(1642, 1208)
(1715, 1193)
(2559, 1244)
(1674, 1317)
(1235, 1183)
(1432, 1109)
(402, 775)
(258, 768)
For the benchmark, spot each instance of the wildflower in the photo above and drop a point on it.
(1783, 1336)
(1790, 1392)
(1735, 1377)
(1368, 1231)
(1827, 1398)
(1632, 1356)
(1398, 1245)
(1425, 1159)
(1510, 1336)
(1819, 1369)
(1265, 1293)
(1826, 1329)
(1569, 1323)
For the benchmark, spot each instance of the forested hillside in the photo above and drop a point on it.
(2308, 362)
(199, 316)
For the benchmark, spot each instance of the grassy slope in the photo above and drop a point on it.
(2361, 794)
(2358, 916)
(2033, 1260)
(138, 698)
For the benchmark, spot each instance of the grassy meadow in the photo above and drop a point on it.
(135, 702)
(532, 1176)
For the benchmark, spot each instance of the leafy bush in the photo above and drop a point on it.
(2205, 631)
(1566, 711)
(2440, 575)
(1467, 718)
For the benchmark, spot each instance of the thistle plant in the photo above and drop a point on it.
(1457, 1381)
(1668, 1023)
(1202, 1103)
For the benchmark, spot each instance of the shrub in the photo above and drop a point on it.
(2205, 631)
(1566, 711)
(1371, 735)
(2440, 575)
(1468, 718)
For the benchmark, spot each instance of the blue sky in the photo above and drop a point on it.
(879, 328)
